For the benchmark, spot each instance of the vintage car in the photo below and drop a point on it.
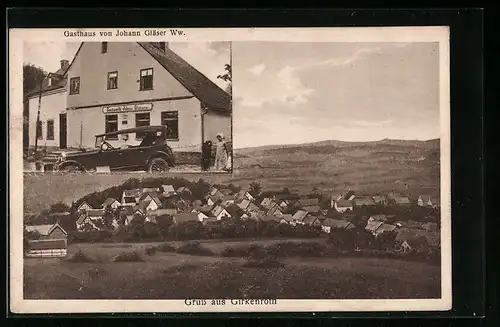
(152, 153)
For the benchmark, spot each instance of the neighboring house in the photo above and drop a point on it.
(392, 195)
(287, 219)
(244, 195)
(220, 213)
(380, 199)
(152, 204)
(308, 202)
(402, 201)
(312, 209)
(267, 203)
(364, 202)
(92, 217)
(379, 217)
(131, 197)
(216, 194)
(372, 226)
(343, 205)
(168, 190)
(184, 217)
(329, 224)
(425, 201)
(84, 206)
(275, 211)
(184, 191)
(117, 85)
(334, 197)
(349, 196)
(299, 216)
(283, 203)
(52, 242)
(384, 228)
(201, 215)
(138, 210)
(311, 221)
(154, 190)
(111, 202)
(211, 200)
(243, 204)
(53, 104)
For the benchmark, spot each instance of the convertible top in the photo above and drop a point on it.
(143, 129)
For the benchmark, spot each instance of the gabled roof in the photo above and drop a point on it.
(44, 229)
(109, 201)
(364, 201)
(372, 226)
(161, 212)
(195, 82)
(287, 217)
(183, 189)
(244, 204)
(385, 228)
(168, 189)
(343, 203)
(312, 209)
(134, 193)
(299, 215)
(309, 219)
(402, 200)
(379, 217)
(348, 195)
(379, 198)
(58, 82)
(308, 202)
(426, 198)
(336, 223)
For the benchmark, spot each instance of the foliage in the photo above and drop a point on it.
(80, 256)
(151, 250)
(194, 248)
(255, 189)
(166, 247)
(32, 77)
(227, 76)
(59, 207)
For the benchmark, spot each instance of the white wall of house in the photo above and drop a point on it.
(214, 123)
(85, 123)
(53, 103)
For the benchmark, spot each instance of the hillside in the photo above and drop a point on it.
(366, 167)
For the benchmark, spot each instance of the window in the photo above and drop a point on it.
(74, 85)
(104, 47)
(39, 131)
(146, 79)
(171, 120)
(50, 129)
(111, 126)
(112, 80)
(141, 119)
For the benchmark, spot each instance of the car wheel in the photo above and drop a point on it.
(158, 165)
(71, 169)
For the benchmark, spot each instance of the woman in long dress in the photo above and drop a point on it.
(221, 153)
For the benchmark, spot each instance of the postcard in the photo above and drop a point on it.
(230, 170)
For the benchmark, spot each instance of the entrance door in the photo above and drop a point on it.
(62, 131)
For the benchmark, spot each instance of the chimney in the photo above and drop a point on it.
(64, 63)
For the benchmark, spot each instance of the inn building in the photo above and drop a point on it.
(111, 86)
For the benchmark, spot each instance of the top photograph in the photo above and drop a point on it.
(147, 107)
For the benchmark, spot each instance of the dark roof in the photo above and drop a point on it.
(57, 83)
(198, 84)
(186, 216)
(308, 202)
(143, 129)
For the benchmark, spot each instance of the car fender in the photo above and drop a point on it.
(70, 162)
(164, 155)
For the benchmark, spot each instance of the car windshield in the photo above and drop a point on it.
(98, 141)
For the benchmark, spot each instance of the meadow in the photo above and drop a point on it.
(170, 275)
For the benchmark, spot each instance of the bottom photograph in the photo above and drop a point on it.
(220, 237)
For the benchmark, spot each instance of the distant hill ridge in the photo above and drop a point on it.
(433, 143)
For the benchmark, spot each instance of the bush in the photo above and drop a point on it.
(151, 250)
(79, 256)
(166, 247)
(131, 256)
(194, 248)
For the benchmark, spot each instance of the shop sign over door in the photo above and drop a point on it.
(127, 108)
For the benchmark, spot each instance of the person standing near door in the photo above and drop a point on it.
(221, 153)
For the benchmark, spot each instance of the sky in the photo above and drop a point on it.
(294, 92)
(208, 57)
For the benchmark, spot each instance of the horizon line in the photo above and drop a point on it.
(313, 142)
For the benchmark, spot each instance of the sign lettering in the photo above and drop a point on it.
(128, 108)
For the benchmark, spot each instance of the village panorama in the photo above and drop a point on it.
(227, 233)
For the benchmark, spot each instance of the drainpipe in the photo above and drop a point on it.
(38, 114)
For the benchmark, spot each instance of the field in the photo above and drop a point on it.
(179, 276)
(366, 167)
